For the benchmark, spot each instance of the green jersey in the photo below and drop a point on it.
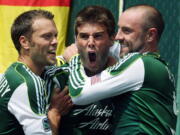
(24, 99)
(92, 119)
(142, 88)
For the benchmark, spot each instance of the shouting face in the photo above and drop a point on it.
(93, 44)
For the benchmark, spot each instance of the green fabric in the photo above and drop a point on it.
(148, 111)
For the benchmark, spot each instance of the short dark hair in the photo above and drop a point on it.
(23, 24)
(155, 19)
(96, 14)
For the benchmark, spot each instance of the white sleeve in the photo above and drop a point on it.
(106, 85)
(115, 50)
(19, 106)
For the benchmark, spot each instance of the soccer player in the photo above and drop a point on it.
(24, 95)
(140, 83)
(94, 32)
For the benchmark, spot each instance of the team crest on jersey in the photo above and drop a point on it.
(46, 125)
(95, 79)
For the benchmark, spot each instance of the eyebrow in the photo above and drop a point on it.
(100, 32)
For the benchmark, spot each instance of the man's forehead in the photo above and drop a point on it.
(92, 28)
(133, 14)
(130, 17)
(43, 24)
(40, 22)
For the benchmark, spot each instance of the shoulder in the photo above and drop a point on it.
(19, 73)
(13, 76)
(125, 62)
(153, 61)
(156, 70)
(11, 80)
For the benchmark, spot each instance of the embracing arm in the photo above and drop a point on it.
(111, 82)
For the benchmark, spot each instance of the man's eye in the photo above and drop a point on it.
(127, 30)
(84, 36)
(97, 36)
(47, 36)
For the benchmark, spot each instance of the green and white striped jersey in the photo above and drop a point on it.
(91, 119)
(24, 99)
(142, 88)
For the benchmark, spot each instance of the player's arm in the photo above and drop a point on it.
(127, 75)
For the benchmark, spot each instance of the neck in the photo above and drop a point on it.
(90, 73)
(35, 68)
(149, 48)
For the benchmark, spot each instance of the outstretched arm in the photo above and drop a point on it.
(127, 75)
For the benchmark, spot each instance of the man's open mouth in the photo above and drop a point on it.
(52, 52)
(92, 56)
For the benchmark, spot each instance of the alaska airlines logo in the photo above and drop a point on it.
(96, 124)
(94, 111)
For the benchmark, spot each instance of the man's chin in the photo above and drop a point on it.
(124, 51)
(52, 62)
(92, 65)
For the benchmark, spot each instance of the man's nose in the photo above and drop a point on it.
(54, 41)
(119, 36)
(91, 41)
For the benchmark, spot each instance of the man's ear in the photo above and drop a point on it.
(24, 42)
(151, 34)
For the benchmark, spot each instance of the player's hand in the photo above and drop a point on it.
(61, 101)
(60, 105)
(69, 52)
